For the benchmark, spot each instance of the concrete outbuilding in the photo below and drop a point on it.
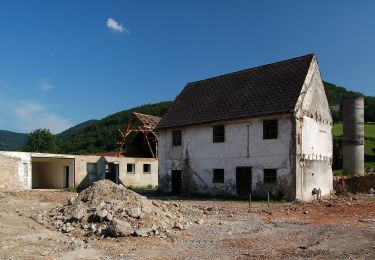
(264, 129)
(21, 170)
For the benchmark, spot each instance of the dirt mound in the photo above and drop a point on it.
(108, 209)
(355, 184)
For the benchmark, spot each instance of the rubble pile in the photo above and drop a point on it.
(108, 209)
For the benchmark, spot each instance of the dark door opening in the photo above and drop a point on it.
(66, 177)
(112, 172)
(176, 182)
(243, 181)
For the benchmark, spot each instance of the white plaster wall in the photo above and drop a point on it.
(133, 179)
(237, 150)
(50, 172)
(18, 165)
(314, 138)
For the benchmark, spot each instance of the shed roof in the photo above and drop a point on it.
(268, 89)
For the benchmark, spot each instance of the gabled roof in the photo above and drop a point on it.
(268, 89)
(148, 120)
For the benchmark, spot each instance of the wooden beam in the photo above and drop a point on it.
(149, 145)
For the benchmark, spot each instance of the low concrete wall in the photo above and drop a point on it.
(9, 173)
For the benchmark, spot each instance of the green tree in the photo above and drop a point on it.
(42, 141)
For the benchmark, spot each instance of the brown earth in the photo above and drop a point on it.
(342, 227)
(354, 184)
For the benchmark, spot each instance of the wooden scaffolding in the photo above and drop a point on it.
(139, 125)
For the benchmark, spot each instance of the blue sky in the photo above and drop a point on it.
(64, 62)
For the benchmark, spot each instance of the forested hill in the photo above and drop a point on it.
(337, 94)
(11, 140)
(101, 135)
(95, 136)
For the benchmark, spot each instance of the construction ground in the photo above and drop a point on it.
(342, 227)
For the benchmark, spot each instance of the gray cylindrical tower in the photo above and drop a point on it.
(354, 136)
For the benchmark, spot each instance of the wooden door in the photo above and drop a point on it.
(176, 182)
(243, 181)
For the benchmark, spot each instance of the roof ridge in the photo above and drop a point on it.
(249, 69)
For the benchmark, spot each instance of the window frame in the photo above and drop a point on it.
(89, 171)
(218, 134)
(270, 129)
(127, 168)
(149, 168)
(270, 176)
(218, 176)
(176, 139)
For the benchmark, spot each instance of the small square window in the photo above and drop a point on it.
(218, 176)
(146, 168)
(130, 168)
(270, 176)
(218, 134)
(176, 137)
(270, 129)
(91, 168)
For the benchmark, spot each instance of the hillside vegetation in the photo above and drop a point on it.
(75, 129)
(337, 94)
(369, 147)
(101, 135)
(11, 140)
(96, 136)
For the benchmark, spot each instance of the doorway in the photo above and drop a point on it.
(112, 172)
(66, 177)
(52, 172)
(176, 182)
(243, 181)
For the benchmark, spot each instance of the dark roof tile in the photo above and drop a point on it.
(267, 89)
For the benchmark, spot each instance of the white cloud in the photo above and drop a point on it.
(25, 115)
(115, 26)
(32, 115)
(45, 87)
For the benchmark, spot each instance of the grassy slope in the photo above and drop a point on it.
(369, 143)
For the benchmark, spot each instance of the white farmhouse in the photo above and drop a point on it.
(259, 130)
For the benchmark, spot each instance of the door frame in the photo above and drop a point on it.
(250, 179)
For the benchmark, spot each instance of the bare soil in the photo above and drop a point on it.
(342, 227)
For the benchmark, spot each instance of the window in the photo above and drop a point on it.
(270, 129)
(218, 134)
(146, 168)
(91, 168)
(176, 137)
(218, 176)
(130, 168)
(270, 176)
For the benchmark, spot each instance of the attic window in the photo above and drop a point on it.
(218, 176)
(270, 176)
(218, 134)
(270, 129)
(176, 138)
